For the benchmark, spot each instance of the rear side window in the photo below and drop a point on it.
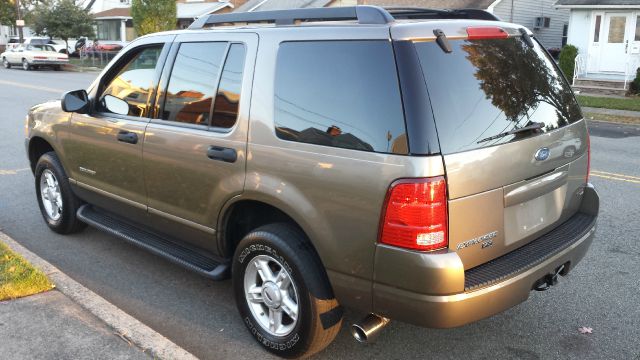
(486, 88)
(192, 85)
(339, 93)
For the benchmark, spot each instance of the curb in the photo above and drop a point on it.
(123, 324)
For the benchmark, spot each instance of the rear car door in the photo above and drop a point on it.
(105, 148)
(195, 145)
(514, 148)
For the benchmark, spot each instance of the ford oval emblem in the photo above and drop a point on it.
(542, 154)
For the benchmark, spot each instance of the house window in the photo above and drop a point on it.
(108, 29)
(565, 32)
(596, 34)
(637, 38)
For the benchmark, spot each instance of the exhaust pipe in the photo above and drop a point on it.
(368, 329)
(550, 280)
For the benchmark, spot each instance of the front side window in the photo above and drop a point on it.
(192, 84)
(341, 94)
(134, 81)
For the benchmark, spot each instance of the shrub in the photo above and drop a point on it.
(634, 86)
(568, 60)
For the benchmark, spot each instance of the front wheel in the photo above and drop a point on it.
(5, 63)
(25, 65)
(283, 293)
(58, 204)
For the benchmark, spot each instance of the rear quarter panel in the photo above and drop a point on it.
(335, 195)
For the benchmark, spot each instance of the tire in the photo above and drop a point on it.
(318, 316)
(6, 63)
(25, 65)
(58, 204)
(57, 67)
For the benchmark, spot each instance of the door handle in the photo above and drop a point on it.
(128, 137)
(222, 153)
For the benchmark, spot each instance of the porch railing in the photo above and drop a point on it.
(630, 69)
(579, 68)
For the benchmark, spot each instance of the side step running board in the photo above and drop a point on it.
(212, 268)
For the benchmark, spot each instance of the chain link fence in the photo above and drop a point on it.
(96, 58)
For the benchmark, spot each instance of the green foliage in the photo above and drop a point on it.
(151, 16)
(18, 278)
(634, 87)
(63, 19)
(7, 12)
(568, 60)
(632, 104)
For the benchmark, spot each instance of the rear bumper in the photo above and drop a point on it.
(49, 62)
(512, 283)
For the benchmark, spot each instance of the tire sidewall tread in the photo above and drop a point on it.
(289, 246)
(68, 222)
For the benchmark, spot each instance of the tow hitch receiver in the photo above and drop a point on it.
(549, 280)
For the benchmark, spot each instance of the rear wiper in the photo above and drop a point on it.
(534, 126)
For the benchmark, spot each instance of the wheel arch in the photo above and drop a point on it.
(38, 146)
(242, 214)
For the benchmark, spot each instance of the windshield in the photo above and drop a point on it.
(492, 91)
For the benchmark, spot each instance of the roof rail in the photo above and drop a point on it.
(364, 14)
(401, 13)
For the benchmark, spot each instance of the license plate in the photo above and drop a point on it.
(529, 217)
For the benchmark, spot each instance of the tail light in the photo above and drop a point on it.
(486, 32)
(586, 180)
(415, 214)
(40, 57)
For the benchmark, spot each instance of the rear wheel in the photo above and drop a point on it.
(5, 63)
(25, 65)
(58, 204)
(283, 293)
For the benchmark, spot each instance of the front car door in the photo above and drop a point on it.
(195, 145)
(105, 145)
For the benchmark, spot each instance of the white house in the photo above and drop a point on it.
(607, 35)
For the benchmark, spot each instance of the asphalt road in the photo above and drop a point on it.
(200, 315)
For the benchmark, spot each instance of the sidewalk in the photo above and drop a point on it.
(626, 113)
(73, 322)
(51, 326)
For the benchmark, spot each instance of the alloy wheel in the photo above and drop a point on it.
(51, 195)
(271, 295)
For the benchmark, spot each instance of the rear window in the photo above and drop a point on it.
(484, 89)
(341, 94)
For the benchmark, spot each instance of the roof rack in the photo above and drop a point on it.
(364, 14)
(406, 13)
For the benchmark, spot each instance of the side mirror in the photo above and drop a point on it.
(115, 105)
(75, 101)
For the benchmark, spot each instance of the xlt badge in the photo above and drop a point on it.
(486, 240)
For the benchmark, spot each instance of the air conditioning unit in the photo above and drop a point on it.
(541, 22)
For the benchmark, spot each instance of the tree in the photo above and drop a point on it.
(151, 16)
(63, 19)
(8, 12)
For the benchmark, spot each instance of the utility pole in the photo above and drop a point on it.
(19, 22)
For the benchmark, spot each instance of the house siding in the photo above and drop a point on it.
(524, 12)
(579, 30)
